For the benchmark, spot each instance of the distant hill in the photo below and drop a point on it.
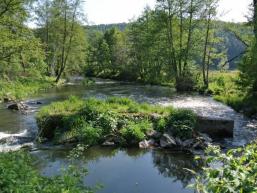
(105, 27)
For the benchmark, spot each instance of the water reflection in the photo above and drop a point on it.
(176, 165)
(126, 170)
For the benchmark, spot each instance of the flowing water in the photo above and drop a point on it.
(121, 170)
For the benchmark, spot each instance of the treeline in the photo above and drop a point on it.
(234, 46)
(177, 42)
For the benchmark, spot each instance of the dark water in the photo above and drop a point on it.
(129, 170)
(121, 171)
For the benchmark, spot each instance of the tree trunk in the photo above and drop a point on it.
(61, 67)
(205, 50)
(189, 37)
(255, 18)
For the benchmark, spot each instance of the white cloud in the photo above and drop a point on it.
(117, 11)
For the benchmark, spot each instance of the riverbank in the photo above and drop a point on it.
(23, 87)
(224, 87)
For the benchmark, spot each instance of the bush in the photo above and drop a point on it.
(133, 133)
(236, 171)
(161, 125)
(17, 175)
(181, 123)
(90, 135)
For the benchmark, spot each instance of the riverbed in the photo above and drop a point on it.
(121, 170)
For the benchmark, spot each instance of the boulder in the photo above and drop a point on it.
(154, 134)
(18, 107)
(6, 100)
(188, 143)
(34, 103)
(178, 141)
(167, 141)
(215, 127)
(108, 143)
(146, 144)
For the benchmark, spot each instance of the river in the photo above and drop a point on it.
(121, 170)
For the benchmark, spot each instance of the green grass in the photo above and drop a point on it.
(92, 121)
(225, 88)
(23, 87)
(18, 175)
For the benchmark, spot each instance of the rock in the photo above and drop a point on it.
(197, 145)
(205, 137)
(108, 143)
(18, 107)
(34, 103)
(155, 116)
(14, 106)
(178, 141)
(188, 143)
(147, 144)
(144, 144)
(167, 141)
(7, 100)
(154, 134)
(215, 127)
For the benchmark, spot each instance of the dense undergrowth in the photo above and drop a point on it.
(234, 171)
(18, 175)
(23, 87)
(93, 121)
(226, 88)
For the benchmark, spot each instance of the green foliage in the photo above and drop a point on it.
(91, 121)
(20, 52)
(235, 171)
(182, 123)
(226, 87)
(90, 135)
(161, 125)
(134, 132)
(23, 87)
(18, 175)
(60, 29)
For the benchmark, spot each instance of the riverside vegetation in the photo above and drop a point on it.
(177, 43)
(120, 122)
(18, 174)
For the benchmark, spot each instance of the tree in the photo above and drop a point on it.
(210, 13)
(248, 76)
(64, 37)
(19, 49)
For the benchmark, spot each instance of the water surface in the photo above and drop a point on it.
(127, 170)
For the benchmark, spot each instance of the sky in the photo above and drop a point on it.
(118, 11)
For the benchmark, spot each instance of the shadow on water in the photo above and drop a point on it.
(127, 170)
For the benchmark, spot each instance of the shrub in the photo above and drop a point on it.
(90, 135)
(135, 132)
(181, 123)
(17, 175)
(236, 171)
(161, 125)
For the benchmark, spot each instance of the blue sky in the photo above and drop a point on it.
(117, 11)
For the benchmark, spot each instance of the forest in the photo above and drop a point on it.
(179, 45)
